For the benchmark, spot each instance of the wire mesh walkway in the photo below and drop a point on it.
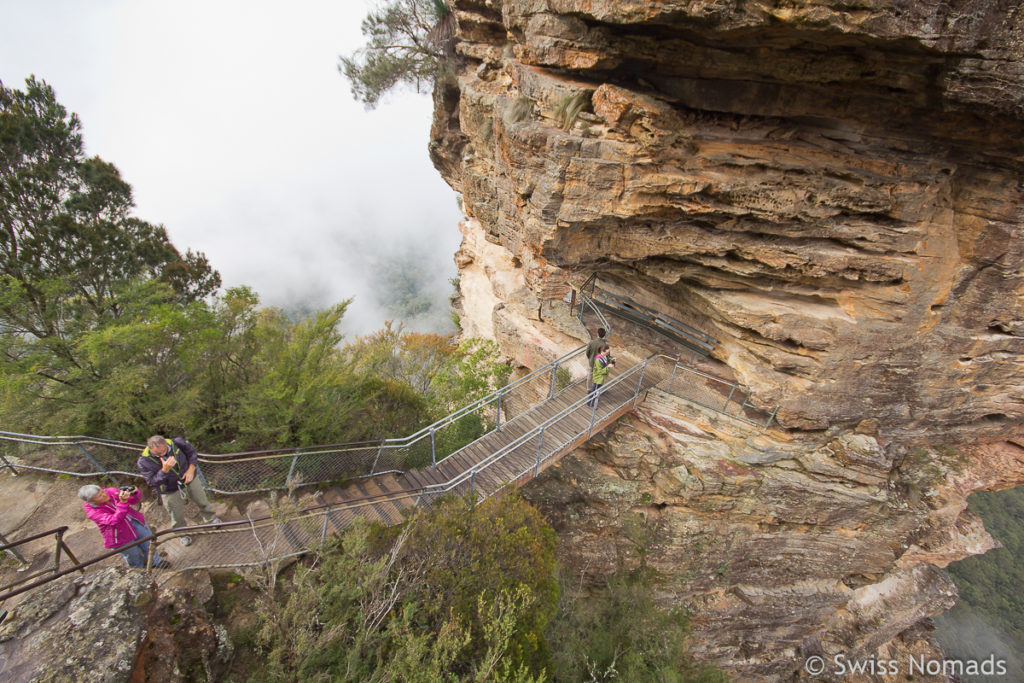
(507, 438)
(528, 440)
(264, 471)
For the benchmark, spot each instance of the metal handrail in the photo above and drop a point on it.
(486, 399)
(184, 530)
(586, 300)
(327, 508)
(734, 386)
(651, 317)
(65, 440)
(55, 572)
(497, 455)
(244, 455)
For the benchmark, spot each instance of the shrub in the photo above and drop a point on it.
(619, 634)
(461, 592)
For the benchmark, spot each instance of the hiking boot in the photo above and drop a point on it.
(185, 540)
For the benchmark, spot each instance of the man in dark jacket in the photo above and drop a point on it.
(594, 345)
(169, 466)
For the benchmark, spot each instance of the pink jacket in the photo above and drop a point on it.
(112, 518)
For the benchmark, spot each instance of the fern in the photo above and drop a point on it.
(569, 109)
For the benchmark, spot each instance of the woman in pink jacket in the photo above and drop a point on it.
(119, 522)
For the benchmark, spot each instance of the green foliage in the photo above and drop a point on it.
(991, 601)
(73, 260)
(462, 593)
(69, 242)
(470, 551)
(407, 42)
(301, 391)
(446, 375)
(570, 108)
(618, 633)
(235, 376)
(563, 378)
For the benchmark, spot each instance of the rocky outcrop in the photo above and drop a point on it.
(781, 548)
(114, 625)
(830, 189)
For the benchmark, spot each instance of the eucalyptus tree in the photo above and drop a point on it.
(73, 256)
(69, 243)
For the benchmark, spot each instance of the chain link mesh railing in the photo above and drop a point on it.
(288, 531)
(263, 471)
(549, 406)
(718, 394)
(523, 458)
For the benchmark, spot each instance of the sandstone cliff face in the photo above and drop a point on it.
(831, 189)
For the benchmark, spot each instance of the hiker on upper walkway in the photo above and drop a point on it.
(170, 468)
(602, 361)
(595, 344)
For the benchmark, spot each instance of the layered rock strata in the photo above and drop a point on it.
(833, 191)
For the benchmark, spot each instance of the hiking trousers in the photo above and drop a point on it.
(175, 504)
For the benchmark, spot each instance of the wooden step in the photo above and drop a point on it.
(386, 508)
(418, 479)
(370, 509)
(388, 482)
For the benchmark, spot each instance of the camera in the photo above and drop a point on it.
(127, 488)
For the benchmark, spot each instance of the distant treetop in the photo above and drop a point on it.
(408, 42)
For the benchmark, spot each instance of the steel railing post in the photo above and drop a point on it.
(729, 398)
(67, 550)
(323, 531)
(93, 460)
(640, 383)
(151, 553)
(202, 477)
(18, 556)
(56, 551)
(497, 418)
(540, 445)
(376, 459)
(472, 482)
(291, 471)
(672, 380)
(8, 465)
(554, 374)
(771, 417)
(593, 413)
(433, 449)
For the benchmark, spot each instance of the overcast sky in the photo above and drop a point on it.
(236, 131)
